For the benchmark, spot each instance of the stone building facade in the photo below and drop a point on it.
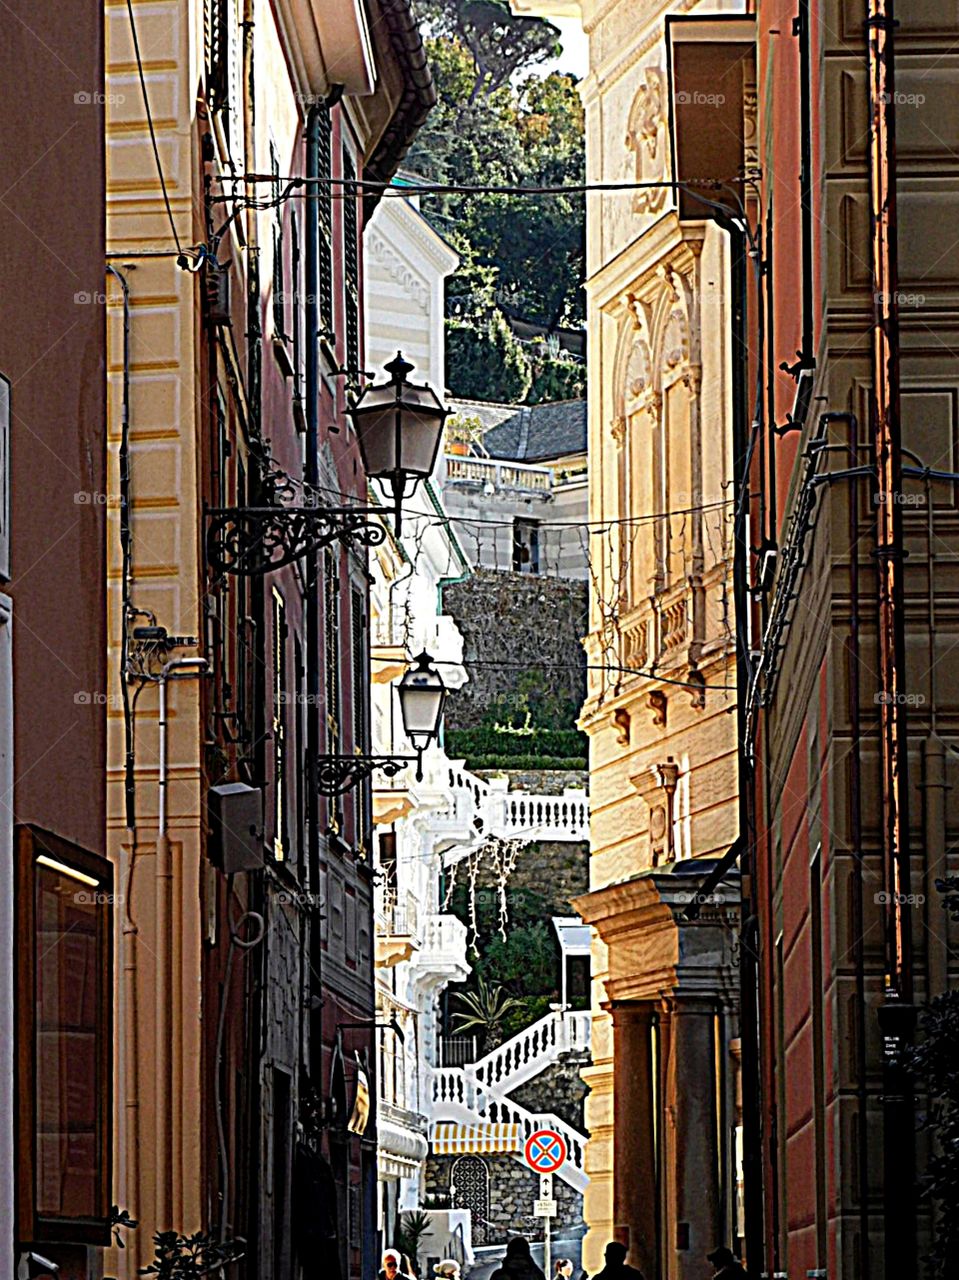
(244, 967)
(660, 707)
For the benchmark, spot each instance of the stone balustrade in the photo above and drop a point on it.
(481, 472)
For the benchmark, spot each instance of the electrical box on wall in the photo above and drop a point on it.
(236, 827)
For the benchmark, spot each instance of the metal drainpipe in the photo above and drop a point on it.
(855, 803)
(897, 1014)
(749, 972)
(128, 987)
(187, 667)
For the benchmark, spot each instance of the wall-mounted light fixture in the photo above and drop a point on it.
(399, 425)
(422, 696)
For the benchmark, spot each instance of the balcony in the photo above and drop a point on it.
(493, 476)
(397, 930)
(443, 953)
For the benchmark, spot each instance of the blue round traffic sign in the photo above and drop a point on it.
(545, 1150)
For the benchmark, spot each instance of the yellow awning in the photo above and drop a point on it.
(448, 1139)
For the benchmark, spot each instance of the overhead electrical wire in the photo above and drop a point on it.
(153, 137)
(499, 665)
(357, 186)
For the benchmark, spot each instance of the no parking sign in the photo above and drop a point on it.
(545, 1150)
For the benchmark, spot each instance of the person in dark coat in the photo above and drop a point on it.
(518, 1263)
(616, 1268)
(726, 1266)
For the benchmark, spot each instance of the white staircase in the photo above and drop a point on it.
(478, 809)
(478, 1093)
(532, 1050)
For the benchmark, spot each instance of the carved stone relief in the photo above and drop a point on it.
(646, 137)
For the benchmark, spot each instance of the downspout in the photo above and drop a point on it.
(897, 1014)
(749, 930)
(313, 637)
(175, 669)
(128, 1012)
(855, 805)
(807, 358)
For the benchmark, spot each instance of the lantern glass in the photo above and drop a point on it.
(399, 426)
(422, 695)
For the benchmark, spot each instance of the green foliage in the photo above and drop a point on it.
(485, 1009)
(556, 379)
(485, 361)
(499, 43)
(541, 744)
(496, 124)
(533, 702)
(189, 1257)
(411, 1229)
(935, 1065)
(531, 727)
(522, 963)
(524, 763)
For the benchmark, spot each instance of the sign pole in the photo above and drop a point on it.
(545, 1152)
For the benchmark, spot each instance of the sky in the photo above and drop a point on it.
(575, 55)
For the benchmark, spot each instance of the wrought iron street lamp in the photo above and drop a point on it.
(422, 696)
(399, 425)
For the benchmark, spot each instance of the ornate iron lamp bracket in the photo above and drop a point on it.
(335, 775)
(256, 540)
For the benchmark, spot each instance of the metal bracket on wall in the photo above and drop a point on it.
(335, 775)
(255, 540)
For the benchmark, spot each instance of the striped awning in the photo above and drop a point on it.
(448, 1139)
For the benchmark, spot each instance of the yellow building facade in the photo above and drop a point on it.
(660, 712)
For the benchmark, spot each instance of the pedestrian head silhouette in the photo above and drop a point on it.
(616, 1253)
(518, 1247)
(721, 1257)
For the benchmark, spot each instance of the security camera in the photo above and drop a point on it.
(33, 1266)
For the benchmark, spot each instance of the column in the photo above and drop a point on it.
(634, 1146)
(692, 1172)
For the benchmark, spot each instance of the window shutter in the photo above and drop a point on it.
(324, 202)
(351, 269)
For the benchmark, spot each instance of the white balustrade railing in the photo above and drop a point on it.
(532, 1050)
(458, 1098)
(564, 817)
(478, 809)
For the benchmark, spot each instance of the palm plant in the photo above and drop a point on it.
(485, 1010)
(412, 1228)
